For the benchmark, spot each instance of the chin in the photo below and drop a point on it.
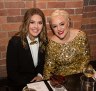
(61, 37)
(35, 35)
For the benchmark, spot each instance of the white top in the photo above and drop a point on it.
(34, 50)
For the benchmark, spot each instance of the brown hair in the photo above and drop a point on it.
(25, 24)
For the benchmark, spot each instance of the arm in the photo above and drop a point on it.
(12, 62)
(85, 51)
(49, 66)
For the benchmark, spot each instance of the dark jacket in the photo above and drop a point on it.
(19, 61)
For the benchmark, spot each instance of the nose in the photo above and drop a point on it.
(36, 25)
(58, 28)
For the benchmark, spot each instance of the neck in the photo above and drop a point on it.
(31, 37)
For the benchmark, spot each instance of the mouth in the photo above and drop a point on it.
(35, 30)
(60, 32)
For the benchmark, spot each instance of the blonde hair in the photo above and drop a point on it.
(60, 12)
(63, 13)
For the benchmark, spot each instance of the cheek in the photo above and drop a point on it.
(39, 31)
(55, 31)
(30, 30)
(30, 26)
(41, 27)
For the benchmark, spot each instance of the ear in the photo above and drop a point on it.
(69, 22)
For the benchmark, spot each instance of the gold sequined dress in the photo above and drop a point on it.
(66, 59)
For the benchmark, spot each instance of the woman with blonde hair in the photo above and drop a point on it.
(67, 50)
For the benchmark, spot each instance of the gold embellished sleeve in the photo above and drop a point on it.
(85, 51)
(50, 58)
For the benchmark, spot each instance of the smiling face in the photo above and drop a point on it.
(35, 26)
(60, 24)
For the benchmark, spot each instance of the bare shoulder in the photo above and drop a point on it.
(74, 32)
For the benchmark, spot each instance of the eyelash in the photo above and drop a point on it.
(61, 24)
(31, 22)
(34, 22)
(53, 26)
(40, 22)
(56, 26)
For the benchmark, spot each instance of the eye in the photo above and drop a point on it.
(53, 26)
(40, 22)
(31, 22)
(62, 24)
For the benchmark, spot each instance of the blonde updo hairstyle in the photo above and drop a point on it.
(60, 13)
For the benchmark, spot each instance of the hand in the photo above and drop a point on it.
(57, 80)
(37, 78)
(89, 71)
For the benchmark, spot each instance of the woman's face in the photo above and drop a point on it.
(60, 26)
(35, 25)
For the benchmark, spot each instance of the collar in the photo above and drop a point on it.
(29, 40)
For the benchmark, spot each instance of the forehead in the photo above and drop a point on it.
(36, 17)
(58, 18)
(60, 12)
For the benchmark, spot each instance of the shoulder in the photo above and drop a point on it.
(15, 39)
(77, 32)
(74, 31)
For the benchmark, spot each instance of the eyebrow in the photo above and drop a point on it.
(38, 21)
(59, 23)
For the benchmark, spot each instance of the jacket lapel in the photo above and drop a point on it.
(28, 52)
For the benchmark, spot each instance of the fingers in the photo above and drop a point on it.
(37, 78)
(33, 80)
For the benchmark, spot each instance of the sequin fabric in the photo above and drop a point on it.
(66, 59)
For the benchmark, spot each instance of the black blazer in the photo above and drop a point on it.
(19, 62)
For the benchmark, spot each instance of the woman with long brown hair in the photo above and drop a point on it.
(26, 49)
